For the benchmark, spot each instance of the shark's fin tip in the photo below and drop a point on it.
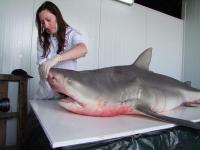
(144, 59)
(148, 112)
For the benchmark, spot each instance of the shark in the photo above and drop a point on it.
(124, 90)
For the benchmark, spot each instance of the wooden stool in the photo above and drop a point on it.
(20, 115)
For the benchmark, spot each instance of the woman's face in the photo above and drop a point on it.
(48, 21)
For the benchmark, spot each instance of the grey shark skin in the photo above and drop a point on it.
(119, 90)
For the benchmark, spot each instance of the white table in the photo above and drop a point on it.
(65, 129)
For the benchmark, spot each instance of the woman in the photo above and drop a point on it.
(59, 45)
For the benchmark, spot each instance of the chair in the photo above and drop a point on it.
(20, 115)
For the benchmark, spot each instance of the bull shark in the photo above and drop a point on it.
(124, 90)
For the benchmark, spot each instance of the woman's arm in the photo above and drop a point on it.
(79, 50)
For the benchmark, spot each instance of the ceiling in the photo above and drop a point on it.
(170, 7)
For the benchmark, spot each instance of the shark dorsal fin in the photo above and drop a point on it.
(144, 59)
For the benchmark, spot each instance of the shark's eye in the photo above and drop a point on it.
(69, 80)
(53, 78)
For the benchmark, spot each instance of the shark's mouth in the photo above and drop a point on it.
(100, 108)
(70, 99)
(73, 104)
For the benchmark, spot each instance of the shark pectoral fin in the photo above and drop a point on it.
(193, 104)
(148, 112)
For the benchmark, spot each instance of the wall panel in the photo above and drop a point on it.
(191, 51)
(165, 36)
(122, 33)
(125, 31)
(16, 33)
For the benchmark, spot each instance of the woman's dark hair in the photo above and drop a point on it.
(43, 35)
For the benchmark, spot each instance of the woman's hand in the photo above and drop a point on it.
(45, 66)
(77, 51)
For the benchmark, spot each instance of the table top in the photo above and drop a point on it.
(66, 129)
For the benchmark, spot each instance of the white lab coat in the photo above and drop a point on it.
(72, 37)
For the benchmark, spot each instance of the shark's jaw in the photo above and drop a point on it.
(99, 108)
(83, 103)
(96, 111)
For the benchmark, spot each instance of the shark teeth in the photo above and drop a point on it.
(70, 99)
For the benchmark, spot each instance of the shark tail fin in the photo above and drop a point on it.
(148, 112)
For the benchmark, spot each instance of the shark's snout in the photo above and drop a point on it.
(56, 81)
(50, 76)
(51, 80)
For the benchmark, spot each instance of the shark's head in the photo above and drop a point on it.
(55, 79)
(60, 80)
(68, 82)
